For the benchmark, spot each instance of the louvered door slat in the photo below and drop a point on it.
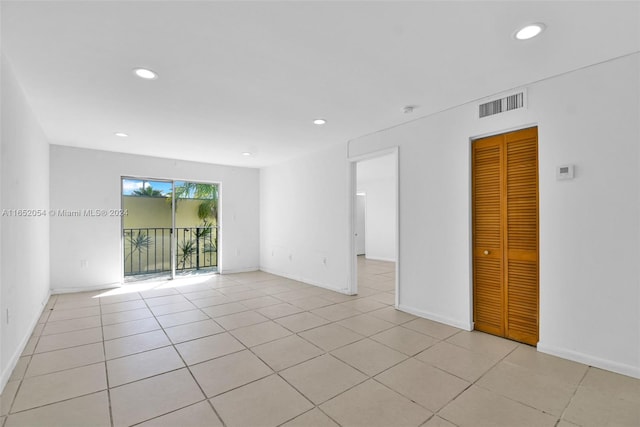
(487, 231)
(521, 273)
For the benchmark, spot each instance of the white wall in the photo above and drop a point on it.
(589, 227)
(303, 206)
(376, 178)
(90, 179)
(24, 264)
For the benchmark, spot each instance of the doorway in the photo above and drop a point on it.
(505, 232)
(374, 226)
(168, 228)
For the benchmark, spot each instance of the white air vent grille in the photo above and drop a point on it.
(508, 103)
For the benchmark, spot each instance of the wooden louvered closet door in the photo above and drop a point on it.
(505, 235)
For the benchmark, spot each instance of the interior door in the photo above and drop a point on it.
(505, 235)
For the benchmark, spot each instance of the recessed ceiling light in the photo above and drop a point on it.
(121, 134)
(145, 73)
(529, 31)
(246, 153)
(319, 121)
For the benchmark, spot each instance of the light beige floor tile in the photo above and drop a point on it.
(267, 402)
(371, 404)
(385, 298)
(58, 386)
(203, 292)
(211, 301)
(167, 299)
(123, 306)
(119, 330)
(423, 384)
(135, 344)
(337, 297)
(175, 319)
(291, 296)
(544, 364)
(564, 423)
(330, 337)
(149, 398)
(322, 378)
(68, 339)
(312, 302)
(79, 303)
(228, 372)
(364, 304)
(480, 342)
(161, 310)
(478, 407)
(458, 361)
(143, 365)
(246, 295)
(112, 299)
(369, 356)
(302, 321)
(198, 415)
(30, 347)
(260, 302)
(71, 325)
(313, 418)
(260, 333)
(279, 310)
(404, 340)
(38, 329)
(125, 316)
(20, 369)
(285, 352)
(605, 398)
(210, 347)
(8, 396)
(224, 309)
(239, 320)
(234, 289)
(335, 312)
(436, 421)
(193, 330)
(366, 325)
(548, 394)
(431, 328)
(159, 292)
(73, 313)
(60, 360)
(91, 410)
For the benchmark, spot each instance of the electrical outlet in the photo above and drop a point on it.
(84, 263)
(7, 316)
(324, 260)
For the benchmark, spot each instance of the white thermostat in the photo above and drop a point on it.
(564, 172)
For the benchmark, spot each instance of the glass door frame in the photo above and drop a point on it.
(173, 235)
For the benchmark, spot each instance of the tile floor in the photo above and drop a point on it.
(255, 349)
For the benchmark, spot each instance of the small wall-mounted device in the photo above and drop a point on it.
(564, 172)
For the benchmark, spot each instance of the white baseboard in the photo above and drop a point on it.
(58, 291)
(436, 317)
(305, 280)
(239, 270)
(13, 361)
(609, 365)
(377, 258)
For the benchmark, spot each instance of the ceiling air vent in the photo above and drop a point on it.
(497, 106)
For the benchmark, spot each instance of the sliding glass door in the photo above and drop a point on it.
(169, 228)
(196, 220)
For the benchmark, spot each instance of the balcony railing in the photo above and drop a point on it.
(148, 250)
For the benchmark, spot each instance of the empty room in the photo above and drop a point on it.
(319, 213)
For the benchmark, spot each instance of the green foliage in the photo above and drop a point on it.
(138, 242)
(147, 191)
(187, 250)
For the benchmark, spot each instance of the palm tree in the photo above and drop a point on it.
(147, 191)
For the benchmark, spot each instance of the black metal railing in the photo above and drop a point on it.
(148, 250)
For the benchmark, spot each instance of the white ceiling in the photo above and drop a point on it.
(251, 76)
